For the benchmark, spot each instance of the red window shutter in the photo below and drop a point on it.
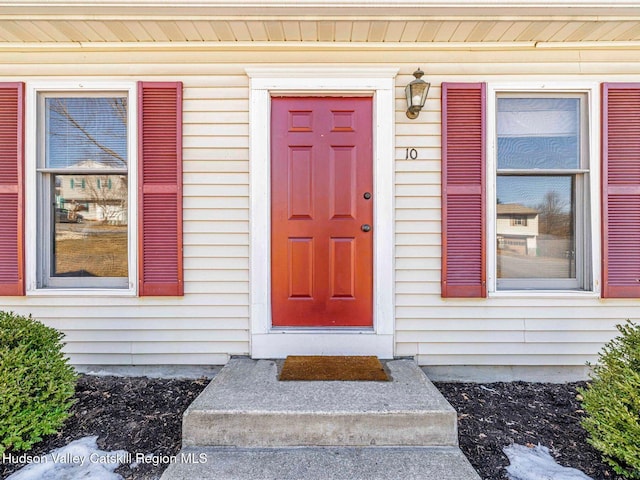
(160, 189)
(463, 190)
(621, 190)
(11, 189)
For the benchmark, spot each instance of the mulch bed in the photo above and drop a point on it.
(492, 416)
(136, 414)
(143, 415)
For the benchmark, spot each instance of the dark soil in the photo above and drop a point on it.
(136, 414)
(143, 415)
(492, 416)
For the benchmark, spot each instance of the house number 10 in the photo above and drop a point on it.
(412, 154)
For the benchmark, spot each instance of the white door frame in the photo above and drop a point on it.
(269, 342)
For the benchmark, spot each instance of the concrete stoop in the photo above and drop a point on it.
(324, 463)
(247, 425)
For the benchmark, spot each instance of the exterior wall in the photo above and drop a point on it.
(522, 238)
(211, 321)
(504, 226)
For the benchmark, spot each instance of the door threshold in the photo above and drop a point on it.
(330, 330)
(282, 343)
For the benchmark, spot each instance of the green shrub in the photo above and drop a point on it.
(612, 402)
(36, 382)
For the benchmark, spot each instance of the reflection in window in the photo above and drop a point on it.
(86, 131)
(90, 229)
(538, 133)
(535, 236)
(539, 180)
(83, 157)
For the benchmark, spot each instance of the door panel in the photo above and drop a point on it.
(321, 166)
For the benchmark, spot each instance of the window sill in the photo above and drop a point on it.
(82, 292)
(544, 294)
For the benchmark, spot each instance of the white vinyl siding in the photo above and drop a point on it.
(212, 321)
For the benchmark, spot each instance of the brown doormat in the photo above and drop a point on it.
(321, 368)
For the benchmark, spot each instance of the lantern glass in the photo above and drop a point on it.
(416, 92)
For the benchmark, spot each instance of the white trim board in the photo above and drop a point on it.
(267, 342)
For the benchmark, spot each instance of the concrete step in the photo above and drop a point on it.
(246, 406)
(321, 463)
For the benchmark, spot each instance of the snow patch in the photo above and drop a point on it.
(537, 464)
(79, 459)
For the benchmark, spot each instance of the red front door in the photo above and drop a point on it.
(321, 212)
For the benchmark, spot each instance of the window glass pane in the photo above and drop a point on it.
(535, 227)
(90, 226)
(86, 132)
(538, 133)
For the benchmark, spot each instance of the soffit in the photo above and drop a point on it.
(236, 30)
(338, 21)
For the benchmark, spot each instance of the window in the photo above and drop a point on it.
(82, 179)
(542, 192)
(519, 220)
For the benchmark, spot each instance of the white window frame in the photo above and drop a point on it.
(592, 232)
(379, 83)
(32, 214)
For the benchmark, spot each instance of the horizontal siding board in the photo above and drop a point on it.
(218, 275)
(214, 202)
(210, 127)
(418, 262)
(216, 191)
(215, 165)
(96, 327)
(217, 251)
(417, 226)
(404, 289)
(211, 358)
(216, 263)
(227, 214)
(568, 336)
(194, 348)
(470, 336)
(216, 287)
(216, 238)
(216, 227)
(506, 349)
(100, 346)
(215, 141)
(100, 358)
(406, 349)
(230, 119)
(199, 307)
(462, 358)
(429, 325)
(596, 322)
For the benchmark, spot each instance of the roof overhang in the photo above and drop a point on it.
(314, 8)
(337, 23)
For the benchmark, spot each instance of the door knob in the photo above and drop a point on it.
(367, 195)
(365, 228)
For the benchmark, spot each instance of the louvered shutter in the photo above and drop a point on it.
(463, 190)
(160, 189)
(621, 190)
(11, 189)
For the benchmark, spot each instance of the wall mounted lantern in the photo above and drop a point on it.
(416, 93)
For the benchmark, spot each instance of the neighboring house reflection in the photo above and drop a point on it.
(95, 197)
(517, 229)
